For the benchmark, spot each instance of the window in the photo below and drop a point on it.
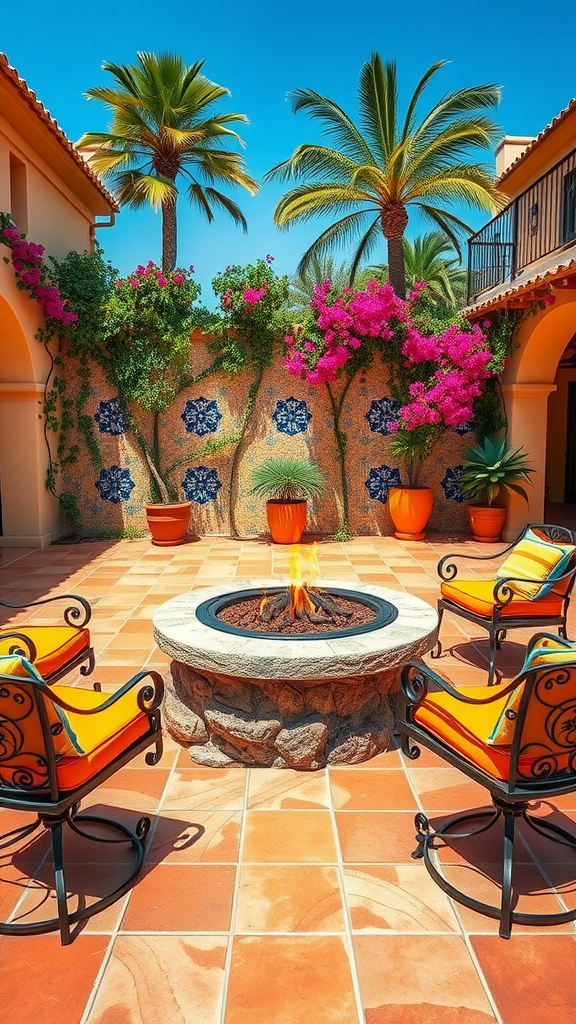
(18, 193)
(569, 206)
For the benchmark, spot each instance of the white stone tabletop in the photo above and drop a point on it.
(180, 634)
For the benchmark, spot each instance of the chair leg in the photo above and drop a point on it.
(506, 905)
(60, 883)
(437, 649)
(492, 663)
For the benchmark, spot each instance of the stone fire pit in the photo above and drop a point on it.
(286, 702)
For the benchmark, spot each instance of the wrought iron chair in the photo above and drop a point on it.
(518, 741)
(58, 744)
(54, 650)
(500, 603)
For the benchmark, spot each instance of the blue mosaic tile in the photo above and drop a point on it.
(379, 481)
(450, 483)
(383, 412)
(291, 416)
(201, 484)
(109, 417)
(201, 416)
(114, 484)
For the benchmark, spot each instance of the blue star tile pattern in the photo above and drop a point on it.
(201, 484)
(379, 481)
(115, 484)
(450, 483)
(109, 417)
(201, 416)
(383, 412)
(291, 416)
(464, 428)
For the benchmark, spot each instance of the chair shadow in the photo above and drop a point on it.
(476, 653)
(92, 868)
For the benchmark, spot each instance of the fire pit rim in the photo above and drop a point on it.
(179, 634)
(386, 613)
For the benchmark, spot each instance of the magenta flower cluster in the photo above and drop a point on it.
(441, 375)
(345, 320)
(152, 273)
(27, 260)
(252, 296)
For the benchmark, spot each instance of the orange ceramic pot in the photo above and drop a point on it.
(286, 520)
(168, 523)
(410, 509)
(486, 522)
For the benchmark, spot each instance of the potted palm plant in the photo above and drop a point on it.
(287, 484)
(491, 469)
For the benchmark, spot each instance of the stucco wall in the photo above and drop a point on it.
(557, 436)
(290, 419)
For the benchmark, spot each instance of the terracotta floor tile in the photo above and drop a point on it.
(278, 837)
(396, 898)
(535, 972)
(307, 978)
(446, 789)
(139, 789)
(174, 898)
(378, 790)
(85, 883)
(152, 978)
(289, 898)
(208, 788)
(196, 837)
(411, 979)
(63, 977)
(375, 837)
(271, 789)
(387, 759)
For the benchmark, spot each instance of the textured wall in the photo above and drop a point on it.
(290, 419)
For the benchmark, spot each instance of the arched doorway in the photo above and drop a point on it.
(536, 395)
(30, 515)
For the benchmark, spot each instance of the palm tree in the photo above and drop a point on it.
(162, 128)
(389, 164)
(425, 260)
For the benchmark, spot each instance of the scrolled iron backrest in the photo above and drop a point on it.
(27, 759)
(544, 742)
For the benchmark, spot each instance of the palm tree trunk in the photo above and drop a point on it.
(396, 269)
(169, 235)
(394, 222)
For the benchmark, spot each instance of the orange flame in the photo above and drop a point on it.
(303, 572)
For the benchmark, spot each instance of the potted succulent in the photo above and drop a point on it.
(491, 469)
(286, 484)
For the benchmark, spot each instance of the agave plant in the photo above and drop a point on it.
(493, 467)
(287, 479)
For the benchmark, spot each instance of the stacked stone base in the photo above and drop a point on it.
(304, 724)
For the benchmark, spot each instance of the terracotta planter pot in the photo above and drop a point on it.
(486, 522)
(286, 520)
(410, 508)
(168, 523)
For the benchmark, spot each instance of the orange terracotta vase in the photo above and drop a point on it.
(286, 520)
(410, 509)
(168, 523)
(486, 522)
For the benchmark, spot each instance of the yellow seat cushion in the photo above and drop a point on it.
(551, 654)
(465, 728)
(55, 645)
(477, 596)
(102, 736)
(534, 558)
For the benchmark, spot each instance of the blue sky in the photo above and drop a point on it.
(262, 51)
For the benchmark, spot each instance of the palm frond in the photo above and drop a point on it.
(342, 234)
(308, 201)
(337, 124)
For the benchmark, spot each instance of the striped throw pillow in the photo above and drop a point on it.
(535, 559)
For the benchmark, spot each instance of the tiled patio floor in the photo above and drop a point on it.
(269, 896)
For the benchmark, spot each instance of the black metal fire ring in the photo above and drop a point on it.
(207, 614)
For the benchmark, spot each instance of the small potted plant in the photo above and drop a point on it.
(286, 484)
(491, 469)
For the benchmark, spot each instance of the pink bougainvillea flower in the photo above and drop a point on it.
(269, 258)
(178, 278)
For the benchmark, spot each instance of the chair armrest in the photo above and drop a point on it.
(503, 593)
(448, 570)
(149, 696)
(72, 615)
(30, 654)
(416, 676)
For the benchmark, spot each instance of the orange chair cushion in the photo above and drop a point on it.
(477, 596)
(465, 728)
(534, 558)
(55, 645)
(552, 654)
(102, 736)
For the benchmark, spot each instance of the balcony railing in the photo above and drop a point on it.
(538, 222)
